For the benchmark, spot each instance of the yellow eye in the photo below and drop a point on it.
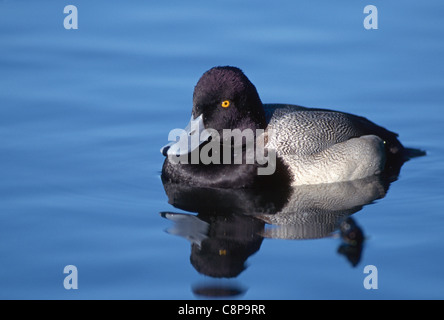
(225, 104)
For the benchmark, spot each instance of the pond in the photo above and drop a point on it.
(84, 113)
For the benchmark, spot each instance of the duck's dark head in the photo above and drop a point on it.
(227, 99)
(224, 98)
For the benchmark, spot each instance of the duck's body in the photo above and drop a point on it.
(312, 145)
(324, 146)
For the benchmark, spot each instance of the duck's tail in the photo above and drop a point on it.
(395, 162)
(410, 153)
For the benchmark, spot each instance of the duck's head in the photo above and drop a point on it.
(224, 98)
(227, 99)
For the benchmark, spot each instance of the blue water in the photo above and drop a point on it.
(83, 114)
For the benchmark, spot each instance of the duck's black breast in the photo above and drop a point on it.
(226, 175)
(210, 175)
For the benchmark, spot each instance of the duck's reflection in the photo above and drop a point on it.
(220, 244)
(217, 289)
(352, 241)
(230, 225)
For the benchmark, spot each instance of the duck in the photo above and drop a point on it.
(304, 145)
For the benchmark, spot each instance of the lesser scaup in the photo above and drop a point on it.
(311, 145)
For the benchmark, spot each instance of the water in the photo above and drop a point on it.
(84, 112)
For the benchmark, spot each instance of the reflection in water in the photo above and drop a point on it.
(217, 289)
(353, 240)
(222, 250)
(315, 211)
(231, 224)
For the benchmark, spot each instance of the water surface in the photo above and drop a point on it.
(84, 112)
